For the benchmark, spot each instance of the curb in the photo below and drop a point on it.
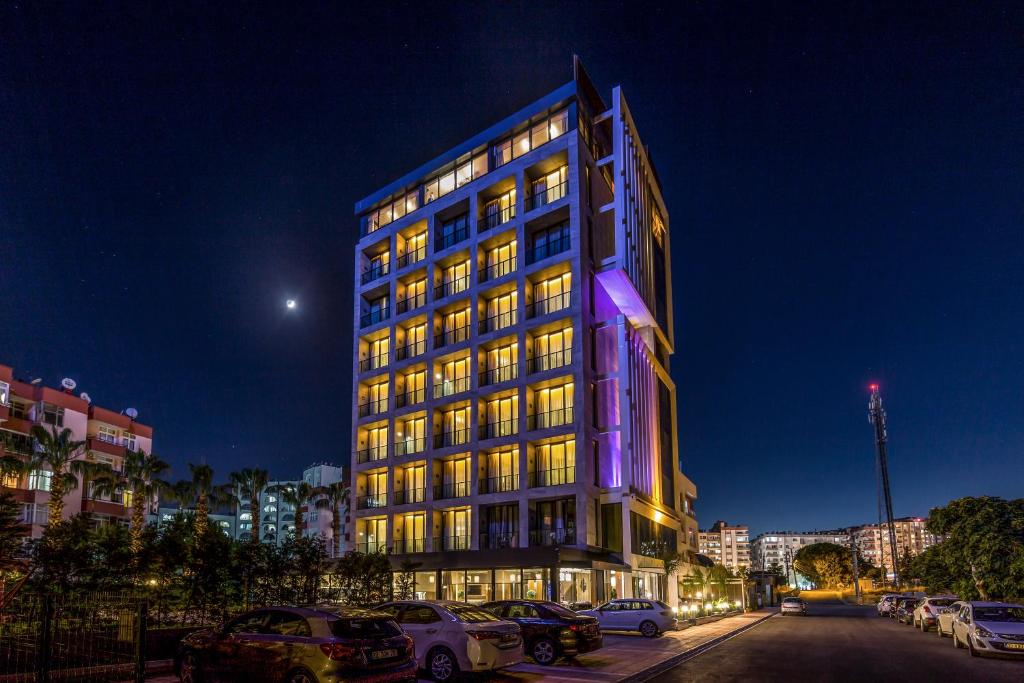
(682, 657)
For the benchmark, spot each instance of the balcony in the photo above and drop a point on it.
(406, 496)
(555, 477)
(502, 373)
(374, 272)
(404, 546)
(410, 398)
(548, 196)
(371, 502)
(373, 362)
(450, 387)
(499, 321)
(499, 541)
(549, 361)
(455, 438)
(552, 418)
(411, 350)
(496, 430)
(410, 446)
(411, 257)
(502, 484)
(456, 286)
(369, 547)
(374, 316)
(549, 537)
(371, 454)
(453, 336)
(542, 251)
(497, 270)
(411, 303)
(552, 304)
(107, 444)
(446, 543)
(445, 240)
(456, 489)
(373, 407)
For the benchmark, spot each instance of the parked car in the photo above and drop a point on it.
(549, 630)
(885, 603)
(905, 610)
(298, 645)
(901, 601)
(987, 628)
(454, 636)
(649, 617)
(927, 611)
(944, 622)
(793, 606)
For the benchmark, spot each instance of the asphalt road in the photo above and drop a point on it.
(838, 642)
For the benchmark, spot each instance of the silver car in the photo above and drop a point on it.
(989, 628)
(927, 610)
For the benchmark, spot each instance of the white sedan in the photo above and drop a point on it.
(989, 628)
(649, 617)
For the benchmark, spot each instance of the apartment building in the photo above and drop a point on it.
(780, 547)
(108, 435)
(911, 538)
(726, 545)
(514, 422)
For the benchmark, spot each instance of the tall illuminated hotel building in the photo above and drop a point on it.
(514, 423)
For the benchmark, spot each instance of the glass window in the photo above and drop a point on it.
(479, 165)
(558, 123)
(366, 628)
(248, 623)
(39, 480)
(539, 134)
(446, 183)
(419, 614)
(522, 611)
(521, 144)
(463, 174)
(471, 615)
(288, 624)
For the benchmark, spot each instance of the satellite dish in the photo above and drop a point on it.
(132, 413)
(68, 383)
(36, 381)
(85, 397)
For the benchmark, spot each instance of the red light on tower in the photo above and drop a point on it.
(873, 387)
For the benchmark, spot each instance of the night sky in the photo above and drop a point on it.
(845, 187)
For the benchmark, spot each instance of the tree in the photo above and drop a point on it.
(365, 577)
(205, 493)
(826, 565)
(405, 582)
(249, 483)
(138, 482)
(182, 492)
(332, 497)
(776, 570)
(55, 451)
(12, 537)
(296, 495)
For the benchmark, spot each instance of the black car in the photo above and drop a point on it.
(903, 610)
(550, 631)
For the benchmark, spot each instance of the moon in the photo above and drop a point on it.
(290, 304)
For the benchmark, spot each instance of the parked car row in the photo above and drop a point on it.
(983, 628)
(393, 640)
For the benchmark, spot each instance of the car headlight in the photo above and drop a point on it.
(983, 632)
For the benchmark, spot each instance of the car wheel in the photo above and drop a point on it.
(301, 676)
(543, 651)
(956, 641)
(442, 665)
(188, 670)
(648, 629)
(970, 648)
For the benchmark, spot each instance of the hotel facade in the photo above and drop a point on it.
(514, 422)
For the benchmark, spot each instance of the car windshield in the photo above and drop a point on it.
(560, 611)
(1012, 614)
(365, 628)
(794, 600)
(661, 604)
(470, 614)
(941, 602)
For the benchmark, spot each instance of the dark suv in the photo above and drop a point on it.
(299, 645)
(550, 631)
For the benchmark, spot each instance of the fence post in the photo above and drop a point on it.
(141, 617)
(45, 641)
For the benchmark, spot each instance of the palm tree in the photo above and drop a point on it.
(205, 494)
(182, 492)
(332, 497)
(249, 483)
(56, 451)
(139, 476)
(295, 495)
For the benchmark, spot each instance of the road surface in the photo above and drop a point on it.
(840, 642)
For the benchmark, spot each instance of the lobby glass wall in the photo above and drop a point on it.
(477, 586)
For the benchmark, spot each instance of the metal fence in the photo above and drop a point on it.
(76, 637)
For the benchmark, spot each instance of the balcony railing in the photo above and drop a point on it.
(551, 194)
(502, 373)
(552, 418)
(443, 241)
(459, 284)
(555, 477)
(450, 387)
(410, 398)
(374, 272)
(498, 541)
(451, 543)
(498, 269)
(558, 302)
(371, 502)
(499, 321)
(410, 446)
(411, 350)
(408, 545)
(373, 407)
(552, 537)
(455, 438)
(493, 216)
(374, 316)
(449, 337)
(411, 257)
(453, 489)
(549, 361)
(371, 454)
(507, 482)
(368, 547)
(373, 362)
(495, 430)
(406, 496)
(542, 251)
(411, 303)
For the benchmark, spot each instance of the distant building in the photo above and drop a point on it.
(911, 538)
(726, 545)
(780, 547)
